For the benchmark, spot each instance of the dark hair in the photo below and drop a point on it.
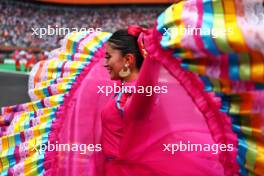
(126, 43)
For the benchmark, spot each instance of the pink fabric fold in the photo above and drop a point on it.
(78, 121)
(185, 114)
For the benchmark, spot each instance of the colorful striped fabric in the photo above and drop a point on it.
(25, 127)
(217, 39)
(222, 41)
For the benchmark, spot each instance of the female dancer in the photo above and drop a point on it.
(141, 134)
(176, 132)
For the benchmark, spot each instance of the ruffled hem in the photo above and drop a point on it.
(51, 156)
(218, 123)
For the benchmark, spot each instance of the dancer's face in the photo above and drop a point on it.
(114, 62)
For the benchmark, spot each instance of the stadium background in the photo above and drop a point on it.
(19, 17)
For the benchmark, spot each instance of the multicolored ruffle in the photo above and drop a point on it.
(25, 127)
(230, 63)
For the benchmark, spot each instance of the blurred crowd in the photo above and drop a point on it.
(18, 18)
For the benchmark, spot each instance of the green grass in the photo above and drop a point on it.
(11, 68)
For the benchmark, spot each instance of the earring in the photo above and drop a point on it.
(124, 72)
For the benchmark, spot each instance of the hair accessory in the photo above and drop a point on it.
(135, 30)
(139, 32)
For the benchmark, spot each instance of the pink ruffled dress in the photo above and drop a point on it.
(134, 129)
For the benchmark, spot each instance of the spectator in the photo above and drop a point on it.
(42, 56)
(17, 60)
(31, 60)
